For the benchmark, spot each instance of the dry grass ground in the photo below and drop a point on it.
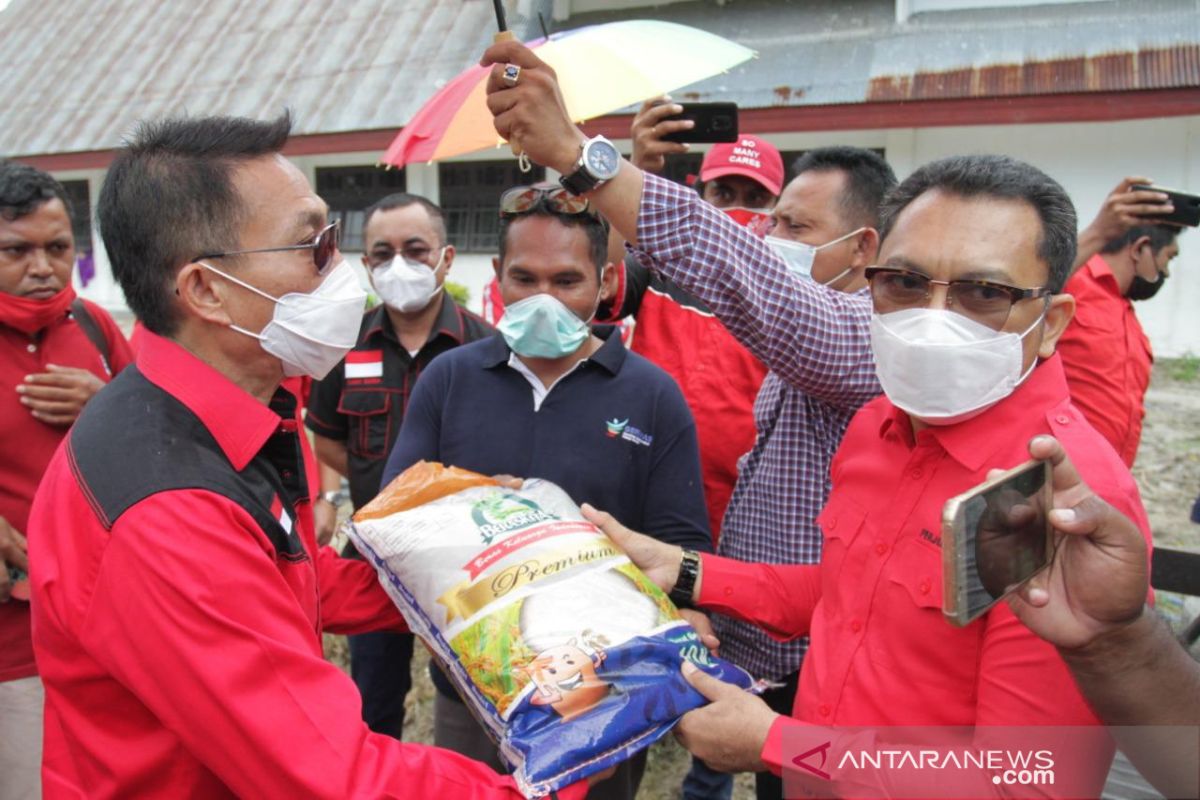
(1167, 471)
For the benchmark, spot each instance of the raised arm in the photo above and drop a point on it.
(812, 337)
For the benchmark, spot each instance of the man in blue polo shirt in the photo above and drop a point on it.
(547, 398)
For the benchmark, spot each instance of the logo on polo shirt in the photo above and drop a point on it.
(621, 429)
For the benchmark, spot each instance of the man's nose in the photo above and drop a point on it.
(39, 263)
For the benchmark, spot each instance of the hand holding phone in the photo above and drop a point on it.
(649, 127)
(711, 123)
(994, 538)
(1185, 207)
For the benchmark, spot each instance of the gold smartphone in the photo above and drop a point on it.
(994, 538)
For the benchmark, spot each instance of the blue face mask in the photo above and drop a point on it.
(542, 327)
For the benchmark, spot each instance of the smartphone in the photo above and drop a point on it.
(994, 538)
(715, 122)
(1187, 206)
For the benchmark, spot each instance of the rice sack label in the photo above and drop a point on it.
(562, 648)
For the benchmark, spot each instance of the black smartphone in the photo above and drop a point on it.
(1187, 206)
(994, 538)
(715, 122)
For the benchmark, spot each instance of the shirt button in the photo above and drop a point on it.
(915, 473)
(856, 626)
(31, 347)
(833, 524)
(881, 548)
(729, 591)
(925, 586)
(823, 711)
(1062, 419)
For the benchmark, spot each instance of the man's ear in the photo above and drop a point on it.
(1058, 317)
(496, 266)
(448, 258)
(200, 295)
(1141, 251)
(866, 250)
(608, 282)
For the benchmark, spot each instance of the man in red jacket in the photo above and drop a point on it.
(178, 592)
(55, 354)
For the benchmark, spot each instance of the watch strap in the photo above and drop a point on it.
(581, 181)
(689, 571)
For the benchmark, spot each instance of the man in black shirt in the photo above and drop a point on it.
(356, 411)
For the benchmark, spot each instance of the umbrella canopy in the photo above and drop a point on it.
(600, 68)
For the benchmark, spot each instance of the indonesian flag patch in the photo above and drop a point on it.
(364, 365)
(280, 513)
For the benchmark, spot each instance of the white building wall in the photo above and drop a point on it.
(1088, 158)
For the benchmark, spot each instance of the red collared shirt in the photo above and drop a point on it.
(181, 649)
(882, 654)
(1107, 357)
(27, 445)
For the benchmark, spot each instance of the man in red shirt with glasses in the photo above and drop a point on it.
(178, 592)
(968, 307)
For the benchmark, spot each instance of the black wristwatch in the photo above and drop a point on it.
(600, 161)
(689, 571)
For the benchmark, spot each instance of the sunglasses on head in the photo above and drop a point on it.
(324, 247)
(523, 199)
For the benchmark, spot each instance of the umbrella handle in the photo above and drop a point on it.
(522, 159)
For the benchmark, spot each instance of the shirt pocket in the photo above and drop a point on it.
(841, 522)
(369, 421)
(910, 636)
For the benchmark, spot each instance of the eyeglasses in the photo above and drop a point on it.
(324, 246)
(523, 199)
(983, 301)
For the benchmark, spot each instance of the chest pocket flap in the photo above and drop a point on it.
(369, 420)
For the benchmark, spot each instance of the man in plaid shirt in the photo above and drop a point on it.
(815, 342)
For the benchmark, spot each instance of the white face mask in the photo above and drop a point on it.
(311, 333)
(943, 368)
(407, 286)
(800, 256)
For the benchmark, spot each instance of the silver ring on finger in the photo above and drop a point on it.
(511, 74)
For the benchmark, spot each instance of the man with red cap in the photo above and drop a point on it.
(742, 178)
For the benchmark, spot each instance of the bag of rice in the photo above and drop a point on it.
(559, 645)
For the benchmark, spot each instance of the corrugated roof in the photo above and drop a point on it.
(78, 74)
(817, 52)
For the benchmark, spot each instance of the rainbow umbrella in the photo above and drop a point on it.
(600, 69)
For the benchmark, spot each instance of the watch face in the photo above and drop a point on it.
(603, 159)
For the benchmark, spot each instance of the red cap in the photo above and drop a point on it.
(750, 156)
